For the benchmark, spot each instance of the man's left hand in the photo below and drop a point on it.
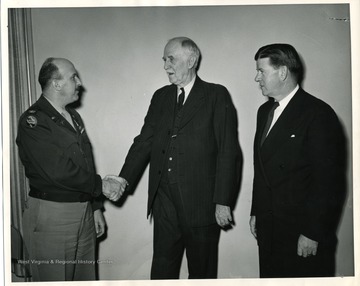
(223, 215)
(306, 246)
(100, 224)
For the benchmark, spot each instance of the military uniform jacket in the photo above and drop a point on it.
(58, 159)
(208, 156)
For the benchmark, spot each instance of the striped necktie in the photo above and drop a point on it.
(270, 117)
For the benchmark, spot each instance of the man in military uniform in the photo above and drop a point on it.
(63, 216)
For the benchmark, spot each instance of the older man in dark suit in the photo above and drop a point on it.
(299, 172)
(190, 138)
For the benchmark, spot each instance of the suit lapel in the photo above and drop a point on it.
(284, 127)
(262, 119)
(193, 103)
(169, 104)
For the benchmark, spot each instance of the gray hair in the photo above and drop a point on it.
(190, 45)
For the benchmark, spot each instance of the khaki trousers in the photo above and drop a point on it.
(60, 239)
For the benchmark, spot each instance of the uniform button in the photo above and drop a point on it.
(169, 169)
(170, 158)
(282, 166)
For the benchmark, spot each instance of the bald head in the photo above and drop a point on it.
(59, 81)
(50, 70)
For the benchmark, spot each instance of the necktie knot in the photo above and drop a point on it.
(181, 99)
(275, 105)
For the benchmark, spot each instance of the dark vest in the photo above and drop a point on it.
(170, 169)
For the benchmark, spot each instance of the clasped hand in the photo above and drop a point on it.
(113, 187)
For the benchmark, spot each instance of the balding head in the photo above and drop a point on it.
(189, 46)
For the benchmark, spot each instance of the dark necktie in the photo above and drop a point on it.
(270, 117)
(181, 99)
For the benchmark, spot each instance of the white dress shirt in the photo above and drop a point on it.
(282, 105)
(187, 89)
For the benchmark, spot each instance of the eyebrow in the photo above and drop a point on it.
(169, 57)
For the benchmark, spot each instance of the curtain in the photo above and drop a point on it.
(22, 94)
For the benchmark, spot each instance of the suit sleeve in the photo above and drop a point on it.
(139, 153)
(229, 159)
(253, 209)
(326, 152)
(46, 157)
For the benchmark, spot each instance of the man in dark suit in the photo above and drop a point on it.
(190, 139)
(298, 172)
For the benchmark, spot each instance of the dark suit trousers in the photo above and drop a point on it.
(172, 236)
(279, 259)
(282, 265)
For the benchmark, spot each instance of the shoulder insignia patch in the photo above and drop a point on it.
(31, 121)
(32, 111)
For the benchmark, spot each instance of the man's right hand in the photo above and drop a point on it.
(113, 187)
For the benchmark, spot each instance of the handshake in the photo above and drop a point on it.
(113, 187)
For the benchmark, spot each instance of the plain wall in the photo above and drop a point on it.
(118, 53)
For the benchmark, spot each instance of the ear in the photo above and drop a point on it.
(56, 84)
(191, 62)
(284, 71)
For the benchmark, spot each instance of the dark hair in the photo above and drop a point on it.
(190, 45)
(282, 55)
(47, 72)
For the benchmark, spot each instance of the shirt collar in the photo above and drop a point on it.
(285, 101)
(188, 87)
(58, 109)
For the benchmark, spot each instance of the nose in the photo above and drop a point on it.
(257, 77)
(78, 81)
(166, 64)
